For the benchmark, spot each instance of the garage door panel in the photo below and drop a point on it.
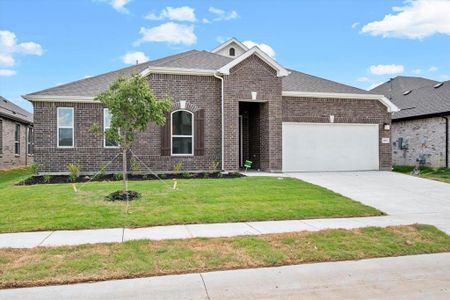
(330, 147)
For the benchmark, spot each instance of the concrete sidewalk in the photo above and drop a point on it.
(117, 235)
(407, 277)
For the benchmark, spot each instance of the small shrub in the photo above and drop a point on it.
(35, 168)
(47, 178)
(187, 175)
(118, 176)
(135, 165)
(206, 175)
(145, 177)
(74, 170)
(214, 166)
(219, 175)
(101, 171)
(178, 167)
(163, 176)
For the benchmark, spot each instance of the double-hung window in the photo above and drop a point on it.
(182, 133)
(17, 140)
(30, 140)
(65, 123)
(107, 143)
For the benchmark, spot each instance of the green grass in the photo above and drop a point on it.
(71, 264)
(439, 174)
(57, 206)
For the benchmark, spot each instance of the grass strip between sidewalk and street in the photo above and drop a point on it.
(73, 264)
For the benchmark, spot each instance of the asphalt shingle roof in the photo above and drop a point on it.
(193, 59)
(298, 81)
(423, 98)
(11, 111)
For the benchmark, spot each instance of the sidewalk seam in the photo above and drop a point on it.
(204, 285)
(45, 238)
(253, 228)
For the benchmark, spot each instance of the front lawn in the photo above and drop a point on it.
(439, 174)
(62, 265)
(57, 206)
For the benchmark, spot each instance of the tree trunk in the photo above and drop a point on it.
(124, 166)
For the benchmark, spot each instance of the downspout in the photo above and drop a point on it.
(222, 120)
(446, 140)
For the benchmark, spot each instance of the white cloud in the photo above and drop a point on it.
(119, 5)
(264, 47)
(7, 60)
(184, 13)
(374, 85)
(432, 69)
(363, 79)
(386, 69)
(9, 47)
(206, 21)
(221, 15)
(356, 24)
(6, 72)
(131, 57)
(87, 76)
(416, 20)
(417, 71)
(170, 32)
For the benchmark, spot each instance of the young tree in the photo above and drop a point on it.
(132, 106)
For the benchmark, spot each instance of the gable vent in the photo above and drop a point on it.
(438, 85)
(407, 92)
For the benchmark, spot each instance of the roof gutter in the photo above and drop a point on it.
(222, 120)
(388, 103)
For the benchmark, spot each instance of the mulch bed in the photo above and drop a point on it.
(52, 179)
(122, 196)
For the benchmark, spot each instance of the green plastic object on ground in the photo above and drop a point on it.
(248, 164)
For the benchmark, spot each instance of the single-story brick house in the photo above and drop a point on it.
(16, 135)
(229, 105)
(420, 130)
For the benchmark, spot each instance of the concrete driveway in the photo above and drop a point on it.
(401, 196)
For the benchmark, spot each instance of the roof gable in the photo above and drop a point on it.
(281, 71)
(231, 42)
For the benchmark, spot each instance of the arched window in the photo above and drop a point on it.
(232, 52)
(182, 132)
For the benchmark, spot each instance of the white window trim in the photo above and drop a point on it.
(181, 136)
(72, 127)
(30, 142)
(17, 141)
(104, 131)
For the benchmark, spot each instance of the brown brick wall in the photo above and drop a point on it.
(200, 92)
(253, 75)
(299, 109)
(8, 158)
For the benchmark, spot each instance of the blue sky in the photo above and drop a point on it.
(360, 43)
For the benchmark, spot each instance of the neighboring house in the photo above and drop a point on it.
(16, 135)
(420, 130)
(229, 105)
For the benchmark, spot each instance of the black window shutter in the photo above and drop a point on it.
(165, 137)
(199, 134)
